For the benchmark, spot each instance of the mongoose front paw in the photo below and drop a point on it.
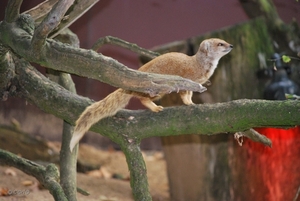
(157, 108)
(189, 103)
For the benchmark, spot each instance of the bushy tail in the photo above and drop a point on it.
(107, 107)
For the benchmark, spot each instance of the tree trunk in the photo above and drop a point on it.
(199, 166)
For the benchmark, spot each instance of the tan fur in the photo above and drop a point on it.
(198, 68)
(107, 107)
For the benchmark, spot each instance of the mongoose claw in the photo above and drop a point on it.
(190, 103)
(202, 88)
(157, 108)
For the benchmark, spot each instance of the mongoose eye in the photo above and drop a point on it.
(220, 44)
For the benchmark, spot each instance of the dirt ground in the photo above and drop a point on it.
(17, 186)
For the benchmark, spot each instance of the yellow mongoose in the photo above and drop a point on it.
(198, 68)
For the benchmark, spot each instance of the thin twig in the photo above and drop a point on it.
(257, 137)
(83, 192)
(122, 43)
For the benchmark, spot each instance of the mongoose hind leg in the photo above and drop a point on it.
(186, 97)
(151, 105)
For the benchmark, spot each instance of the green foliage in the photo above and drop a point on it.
(286, 59)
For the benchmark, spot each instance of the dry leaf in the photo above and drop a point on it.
(27, 183)
(95, 173)
(111, 149)
(4, 192)
(10, 172)
(36, 186)
(159, 155)
(104, 198)
(106, 174)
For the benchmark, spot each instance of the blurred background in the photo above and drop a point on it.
(148, 24)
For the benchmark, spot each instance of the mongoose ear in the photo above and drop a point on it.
(205, 46)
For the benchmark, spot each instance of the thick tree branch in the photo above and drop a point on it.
(205, 119)
(138, 171)
(208, 119)
(88, 63)
(68, 160)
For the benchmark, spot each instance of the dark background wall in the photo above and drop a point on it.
(147, 23)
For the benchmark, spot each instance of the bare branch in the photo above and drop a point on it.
(255, 136)
(12, 10)
(50, 23)
(41, 10)
(79, 7)
(47, 176)
(122, 43)
(90, 64)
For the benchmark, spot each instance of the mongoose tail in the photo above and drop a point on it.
(107, 107)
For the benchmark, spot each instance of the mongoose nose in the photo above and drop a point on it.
(231, 46)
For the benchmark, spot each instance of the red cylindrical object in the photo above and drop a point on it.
(276, 170)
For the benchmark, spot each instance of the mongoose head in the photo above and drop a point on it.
(215, 48)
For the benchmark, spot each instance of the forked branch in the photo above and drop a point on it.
(47, 176)
(50, 22)
(88, 63)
